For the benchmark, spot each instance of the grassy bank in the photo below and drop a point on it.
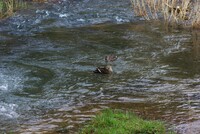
(185, 12)
(118, 122)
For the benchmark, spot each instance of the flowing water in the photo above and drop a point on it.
(48, 53)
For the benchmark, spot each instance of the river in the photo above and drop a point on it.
(48, 53)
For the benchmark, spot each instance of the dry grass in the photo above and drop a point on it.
(181, 12)
(7, 7)
(39, 0)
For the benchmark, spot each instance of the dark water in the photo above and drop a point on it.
(46, 79)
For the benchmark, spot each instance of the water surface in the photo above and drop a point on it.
(47, 84)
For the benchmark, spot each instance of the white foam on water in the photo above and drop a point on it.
(9, 82)
(4, 87)
(63, 15)
(118, 19)
(3, 84)
(8, 110)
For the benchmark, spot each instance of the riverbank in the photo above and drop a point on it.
(119, 122)
(8, 7)
(185, 13)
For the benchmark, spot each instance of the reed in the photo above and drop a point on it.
(39, 0)
(7, 7)
(181, 12)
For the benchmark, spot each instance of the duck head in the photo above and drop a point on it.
(110, 58)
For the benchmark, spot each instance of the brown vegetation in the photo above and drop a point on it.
(39, 0)
(7, 7)
(184, 12)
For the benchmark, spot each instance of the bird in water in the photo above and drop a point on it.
(110, 58)
(104, 70)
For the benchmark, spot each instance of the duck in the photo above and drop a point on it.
(110, 58)
(104, 70)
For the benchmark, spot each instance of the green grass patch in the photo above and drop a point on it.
(118, 122)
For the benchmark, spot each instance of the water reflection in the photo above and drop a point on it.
(185, 59)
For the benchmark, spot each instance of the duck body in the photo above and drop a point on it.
(104, 70)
